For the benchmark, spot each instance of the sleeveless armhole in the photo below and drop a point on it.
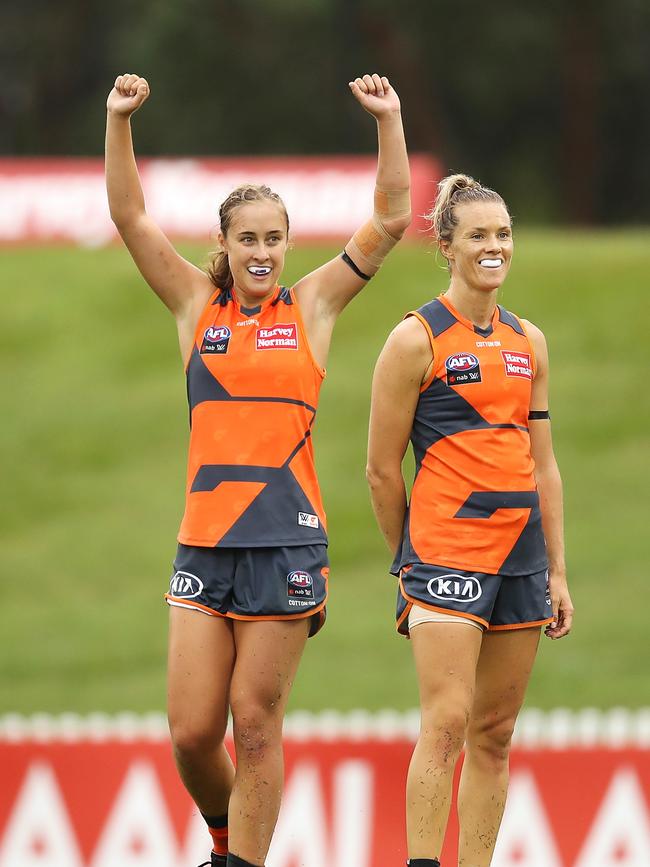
(199, 321)
(427, 327)
(321, 371)
(531, 346)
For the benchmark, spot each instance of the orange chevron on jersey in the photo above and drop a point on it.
(252, 386)
(474, 503)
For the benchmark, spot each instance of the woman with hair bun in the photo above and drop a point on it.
(479, 549)
(250, 577)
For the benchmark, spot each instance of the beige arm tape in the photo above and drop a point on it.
(392, 204)
(370, 244)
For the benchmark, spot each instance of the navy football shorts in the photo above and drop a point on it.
(496, 602)
(279, 583)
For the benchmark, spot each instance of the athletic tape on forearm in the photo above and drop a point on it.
(370, 244)
(392, 204)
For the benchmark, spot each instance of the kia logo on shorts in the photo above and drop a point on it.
(300, 579)
(460, 362)
(217, 332)
(455, 588)
(184, 585)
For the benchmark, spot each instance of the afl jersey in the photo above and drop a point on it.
(252, 387)
(474, 503)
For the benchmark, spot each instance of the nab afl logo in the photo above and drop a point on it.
(462, 367)
(215, 340)
(300, 584)
(300, 579)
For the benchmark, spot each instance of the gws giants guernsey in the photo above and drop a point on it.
(474, 503)
(252, 386)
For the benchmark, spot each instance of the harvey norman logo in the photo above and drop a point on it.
(517, 364)
(278, 337)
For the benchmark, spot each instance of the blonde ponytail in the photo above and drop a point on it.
(456, 190)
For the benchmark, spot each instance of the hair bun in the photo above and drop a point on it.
(456, 190)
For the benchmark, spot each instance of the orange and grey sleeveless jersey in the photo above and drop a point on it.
(474, 503)
(252, 386)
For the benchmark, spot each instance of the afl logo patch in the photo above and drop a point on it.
(184, 585)
(215, 340)
(462, 367)
(300, 584)
(455, 588)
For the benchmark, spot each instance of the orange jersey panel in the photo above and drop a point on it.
(253, 388)
(474, 503)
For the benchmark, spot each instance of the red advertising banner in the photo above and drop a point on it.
(327, 197)
(110, 797)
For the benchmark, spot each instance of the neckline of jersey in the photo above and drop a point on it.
(259, 308)
(473, 327)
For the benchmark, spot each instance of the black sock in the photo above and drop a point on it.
(216, 821)
(218, 828)
(423, 862)
(236, 861)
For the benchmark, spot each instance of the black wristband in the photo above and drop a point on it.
(536, 414)
(352, 265)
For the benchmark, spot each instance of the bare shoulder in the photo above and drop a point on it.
(536, 337)
(203, 288)
(410, 336)
(538, 342)
(407, 353)
(535, 334)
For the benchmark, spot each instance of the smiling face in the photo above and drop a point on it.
(256, 242)
(480, 250)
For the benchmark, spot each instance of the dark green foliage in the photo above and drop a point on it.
(545, 102)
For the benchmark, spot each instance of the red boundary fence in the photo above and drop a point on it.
(64, 200)
(103, 792)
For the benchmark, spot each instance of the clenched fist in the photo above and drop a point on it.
(128, 94)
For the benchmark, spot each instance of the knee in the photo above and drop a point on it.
(489, 739)
(194, 739)
(443, 731)
(257, 727)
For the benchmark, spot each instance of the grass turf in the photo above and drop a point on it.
(94, 436)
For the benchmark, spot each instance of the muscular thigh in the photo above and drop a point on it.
(200, 665)
(445, 660)
(268, 654)
(502, 673)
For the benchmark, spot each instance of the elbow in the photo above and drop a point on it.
(119, 215)
(547, 475)
(377, 475)
(124, 219)
(372, 476)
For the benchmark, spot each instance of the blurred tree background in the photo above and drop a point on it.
(546, 102)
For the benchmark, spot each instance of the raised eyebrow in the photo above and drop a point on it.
(251, 233)
(482, 229)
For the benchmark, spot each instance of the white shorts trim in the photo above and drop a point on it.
(173, 604)
(418, 614)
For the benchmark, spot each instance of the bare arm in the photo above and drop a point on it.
(399, 373)
(325, 292)
(549, 486)
(181, 286)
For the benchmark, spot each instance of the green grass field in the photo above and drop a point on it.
(93, 445)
